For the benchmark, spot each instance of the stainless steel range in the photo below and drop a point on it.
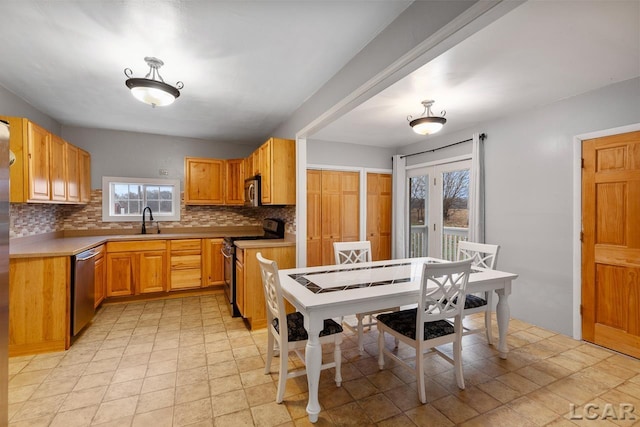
(273, 229)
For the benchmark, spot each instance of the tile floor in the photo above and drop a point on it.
(186, 362)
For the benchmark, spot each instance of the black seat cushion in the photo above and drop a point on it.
(474, 301)
(297, 332)
(404, 322)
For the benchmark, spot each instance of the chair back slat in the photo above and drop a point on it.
(442, 291)
(352, 252)
(482, 254)
(273, 293)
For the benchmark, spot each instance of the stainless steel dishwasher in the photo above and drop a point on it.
(82, 290)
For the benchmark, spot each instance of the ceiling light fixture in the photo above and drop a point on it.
(152, 89)
(427, 124)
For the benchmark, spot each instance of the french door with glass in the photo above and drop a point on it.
(437, 209)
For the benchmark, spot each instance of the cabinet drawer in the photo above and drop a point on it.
(181, 262)
(240, 255)
(186, 245)
(133, 246)
(191, 278)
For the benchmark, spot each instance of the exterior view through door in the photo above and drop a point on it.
(438, 209)
(611, 242)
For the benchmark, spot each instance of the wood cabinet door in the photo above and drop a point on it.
(120, 273)
(152, 272)
(73, 173)
(240, 289)
(384, 216)
(350, 207)
(331, 212)
(204, 181)
(99, 281)
(39, 158)
(58, 169)
(265, 171)
(213, 262)
(314, 218)
(234, 182)
(85, 176)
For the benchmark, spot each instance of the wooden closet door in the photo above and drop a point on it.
(314, 218)
(331, 211)
(611, 242)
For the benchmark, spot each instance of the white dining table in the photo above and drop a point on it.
(339, 290)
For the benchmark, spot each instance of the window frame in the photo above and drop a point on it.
(108, 181)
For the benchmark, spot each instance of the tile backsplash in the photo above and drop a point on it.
(31, 219)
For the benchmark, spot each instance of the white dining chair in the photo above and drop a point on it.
(288, 332)
(428, 326)
(482, 255)
(352, 253)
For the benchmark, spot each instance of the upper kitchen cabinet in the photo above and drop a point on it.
(213, 181)
(203, 181)
(47, 169)
(277, 169)
(85, 176)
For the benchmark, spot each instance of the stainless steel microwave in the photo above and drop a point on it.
(252, 191)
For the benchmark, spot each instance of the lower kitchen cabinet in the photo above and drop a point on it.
(136, 267)
(249, 291)
(39, 297)
(100, 278)
(212, 262)
(186, 264)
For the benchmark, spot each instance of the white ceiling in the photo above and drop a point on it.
(247, 66)
(539, 53)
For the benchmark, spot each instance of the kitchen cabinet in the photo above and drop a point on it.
(204, 180)
(212, 262)
(234, 182)
(277, 169)
(379, 215)
(136, 267)
(58, 169)
(333, 213)
(39, 297)
(100, 277)
(214, 181)
(85, 176)
(186, 264)
(72, 173)
(47, 169)
(249, 290)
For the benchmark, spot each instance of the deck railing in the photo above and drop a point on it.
(450, 238)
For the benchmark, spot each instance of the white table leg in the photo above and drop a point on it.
(313, 360)
(503, 314)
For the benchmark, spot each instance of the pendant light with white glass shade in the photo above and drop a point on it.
(152, 89)
(428, 123)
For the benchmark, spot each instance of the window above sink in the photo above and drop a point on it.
(123, 199)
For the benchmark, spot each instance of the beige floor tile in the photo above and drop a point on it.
(378, 407)
(159, 382)
(29, 378)
(236, 419)
(83, 398)
(454, 409)
(518, 383)
(158, 418)
(225, 384)
(500, 417)
(427, 415)
(80, 417)
(151, 402)
(229, 402)
(349, 414)
(115, 409)
(21, 394)
(477, 399)
(163, 367)
(52, 388)
(38, 408)
(499, 390)
(261, 394)
(360, 388)
(384, 380)
(123, 389)
(34, 422)
(533, 411)
(192, 412)
(191, 392)
(254, 377)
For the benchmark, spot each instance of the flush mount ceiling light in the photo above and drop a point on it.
(152, 89)
(427, 124)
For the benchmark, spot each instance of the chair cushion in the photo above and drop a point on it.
(474, 301)
(297, 332)
(404, 322)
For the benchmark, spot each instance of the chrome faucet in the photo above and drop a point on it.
(144, 211)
